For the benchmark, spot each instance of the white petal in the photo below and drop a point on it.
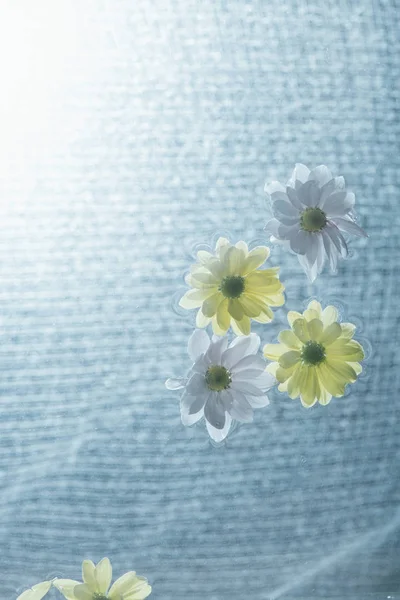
(349, 226)
(312, 248)
(287, 232)
(339, 203)
(293, 198)
(192, 403)
(309, 193)
(300, 173)
(337, 239)
(272, 227)
(240, 347)
(299, 241)
(241, 409)
(214, 411)
(265, 382)
(248, 367)
(216, 349)
(175, 383)
(321, 175)
(196, 385)
(282, 207)
(258, 401)
(331, 251)
(218, 435)
(274, 186)
(198, 343)
(247, 388)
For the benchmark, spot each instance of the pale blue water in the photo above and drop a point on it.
(130, 131)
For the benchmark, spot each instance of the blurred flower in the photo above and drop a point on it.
(37, 592)
(230, 290)
(97, 580)
(317, 357)
(309, 215)
(225, 382)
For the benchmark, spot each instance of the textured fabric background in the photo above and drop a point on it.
(130, 131)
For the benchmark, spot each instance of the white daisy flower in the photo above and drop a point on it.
(309, 215)
(225, 382)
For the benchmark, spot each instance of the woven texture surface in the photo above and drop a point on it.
(143, 128)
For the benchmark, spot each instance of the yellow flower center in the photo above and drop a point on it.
(232, 286)
(313, 353)
(312, 220)
(218, 378)
(97, 596)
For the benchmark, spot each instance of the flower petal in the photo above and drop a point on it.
(288, 359)
(273, 187)
(198, 344)
(241, 409)
(329, 315)
(244, 325)
(315, 328)
(103, 574)
(37, 592)
(348, 330)
(315, 306)
(175, 383)
(293, 198)
(130, 586)
(300, 329)
(349, 350)
(299, 241)
(265, 382)
(234, 261)
(211, 304)
(89, 574)
(295, 381)
(191, 408)
(252, 362)
(309, 387)
(349, 227)
(218, 435)
(65, 586)
(309, 193)
(285, 208)
(235, 309)
(83, 591)
(288, 338)
(292, 316)
(247, 388)
(239, 348)
(202, 320)
(255, 259)
(339, 203)
(321, 175)
(337, 239)
(214, 411)
(196, 385)
(300, 173)
(330, 250)
(195, 298)
(330, 334)
(274, 351)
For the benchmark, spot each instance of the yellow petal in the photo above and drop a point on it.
(201, 320)
(88, 574)
(314, 305)
(330, 334)
(204, 257)
(273, 368)
(255, 259)
(216, 328)
(288, 359)
(265, 316)
(235, 309)
(292, 316)
(223, 317)
(315, 328)
(295, 381)
(66, 587)
(37, 592)
(283, 375)
(234, 261)
(300, 330)
(103, 574)
(195, 298)
(283, 387)
(357, 367)
(221, 242)
(324, 396)
(211, 304)
(204, 279)
(329, 315)
(310, 314)
(309, 387)
(348, 330)
(349, 350)
(275, 299)
(288, 338)
(335, 376)
(216, 269)
(261, 282)
(242, 246)
(250, 305)
(274, 351)
(244, 325)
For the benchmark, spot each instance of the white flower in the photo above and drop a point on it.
(225, 382)
(309, 216)
(96, 586)
(37, 592)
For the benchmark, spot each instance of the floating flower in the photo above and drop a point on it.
(225, 382)
(317, 357)
(97, 580)
(310, 214)
(230, 290)
(37, 592)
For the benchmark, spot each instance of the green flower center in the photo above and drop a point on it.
(313, 219)
(232, 286)
(313, 353)
(97, 596)
(218, 378)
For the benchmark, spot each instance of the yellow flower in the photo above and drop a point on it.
(37, 592)
(229, 290)
(97, 580)
(317, 357)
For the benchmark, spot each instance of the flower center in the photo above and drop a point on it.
(313, 219)
(313, 353)
(218, 378)
(97, 596)
(232, 286)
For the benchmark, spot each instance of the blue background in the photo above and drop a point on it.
(131, 131)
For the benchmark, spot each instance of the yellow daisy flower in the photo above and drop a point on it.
(317, 357)
(37, 592)
(230, 290)
(96, 586)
